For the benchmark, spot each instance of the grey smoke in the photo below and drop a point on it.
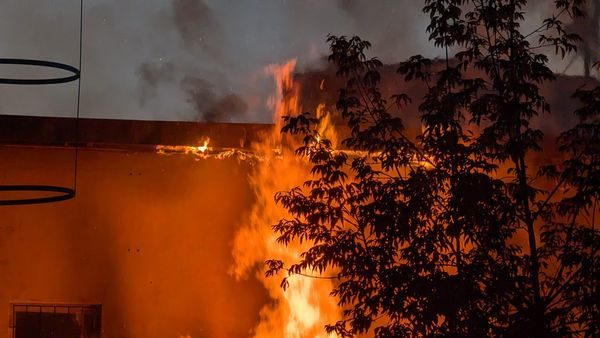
(137, 53)
(230, 106)
(348, 5)
(211, 106)
(201, 35)
(197, 26)
(227, 44)
(152, 75)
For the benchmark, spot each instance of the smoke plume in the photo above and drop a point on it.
(208, 105)
(137, 54)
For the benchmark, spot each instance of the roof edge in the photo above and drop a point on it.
(125, 134)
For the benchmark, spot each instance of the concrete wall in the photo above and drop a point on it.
(148, 236)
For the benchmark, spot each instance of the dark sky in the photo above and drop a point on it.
(189, 59)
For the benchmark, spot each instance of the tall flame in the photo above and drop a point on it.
(303, 309)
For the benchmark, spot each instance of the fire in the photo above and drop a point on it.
(204, 146)
(200, 151)
(205, 152)
(326, 127)
(303, 309)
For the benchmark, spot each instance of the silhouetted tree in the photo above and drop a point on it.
(425, 236)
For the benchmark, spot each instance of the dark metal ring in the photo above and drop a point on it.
(40, 63)
(63, 194)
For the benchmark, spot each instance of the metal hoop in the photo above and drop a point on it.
(62, 194)
(39, 63)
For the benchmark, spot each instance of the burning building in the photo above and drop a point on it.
(171, 223)
(168, 230)
(144, 248)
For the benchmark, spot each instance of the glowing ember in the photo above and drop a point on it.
(203, 153)
(204, 147)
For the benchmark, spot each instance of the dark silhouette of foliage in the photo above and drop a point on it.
(424, 235)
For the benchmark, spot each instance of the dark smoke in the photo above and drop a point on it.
(200, 32)
(203, 89)
(210, 106)
(348, 5)
(197, 26)
(226, 42)
(227, 107)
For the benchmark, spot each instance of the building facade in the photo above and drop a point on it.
(143, 250)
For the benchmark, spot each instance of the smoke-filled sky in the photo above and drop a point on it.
(188, 59)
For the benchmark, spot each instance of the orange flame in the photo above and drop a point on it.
(303, 309)
(204, 146)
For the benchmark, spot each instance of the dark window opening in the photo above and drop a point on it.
(56, 321)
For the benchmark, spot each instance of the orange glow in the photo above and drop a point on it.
(204, 152)
(326, 127)
(303, 309)
(204, 146)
